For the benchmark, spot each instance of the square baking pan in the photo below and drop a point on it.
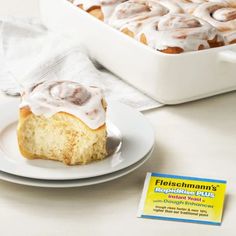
(168, 78)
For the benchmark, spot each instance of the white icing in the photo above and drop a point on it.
(179, 30)
(51, 97)
(108, 10)
(188, 5)
(229, 36)
(137, 26)
(220, 15)
(224, 14)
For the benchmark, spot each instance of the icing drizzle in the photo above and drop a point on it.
(51, 97)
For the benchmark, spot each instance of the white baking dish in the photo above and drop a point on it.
(171, 79)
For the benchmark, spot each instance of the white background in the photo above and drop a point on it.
(196, 139)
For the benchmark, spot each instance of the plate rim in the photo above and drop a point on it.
(24, 181)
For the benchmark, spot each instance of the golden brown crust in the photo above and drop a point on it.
(95, 11)
(172, 50)
(169, 50)
(215, 43)
(233, 41)
(128, 32)
(143, 39)
(201, 47)
(24, 112)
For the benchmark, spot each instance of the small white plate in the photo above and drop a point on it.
(72, 183)
(137, 141)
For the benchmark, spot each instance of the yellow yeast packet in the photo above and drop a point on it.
(181, 198)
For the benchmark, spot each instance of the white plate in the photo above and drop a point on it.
(137, 141)
(72, 183)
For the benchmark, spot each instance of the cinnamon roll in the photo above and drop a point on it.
(131, 16)
(62, 121)
(140, 10)
(177, 33)
(101, 9)
(222, 16)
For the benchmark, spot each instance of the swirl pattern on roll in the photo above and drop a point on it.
(176, 33)
(50, 97)
(222, 16)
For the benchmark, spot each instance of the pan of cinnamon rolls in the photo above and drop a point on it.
(172, 50)
(169, 26)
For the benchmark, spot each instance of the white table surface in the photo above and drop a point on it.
(195, 139)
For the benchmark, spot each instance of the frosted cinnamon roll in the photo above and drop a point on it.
(130, 16)
(222, 16)
(177, 33)
(62, 121)
(101, 9)
(51, 97)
